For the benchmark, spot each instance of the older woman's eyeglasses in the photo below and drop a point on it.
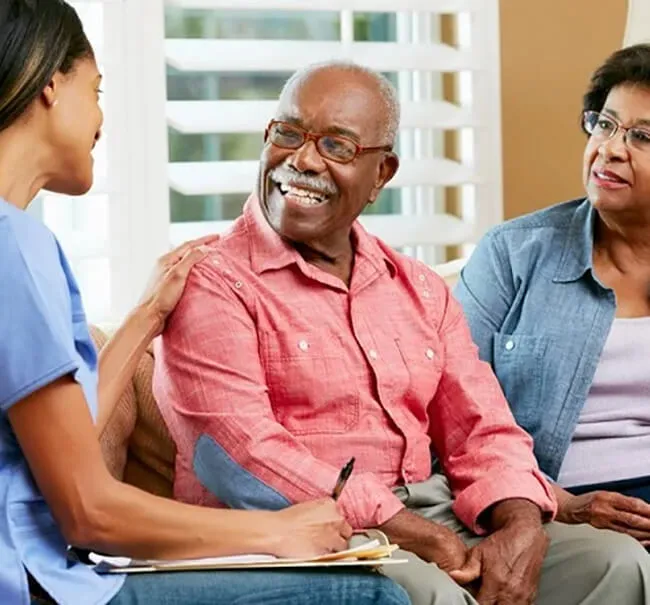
(602, 127)
(332, 147)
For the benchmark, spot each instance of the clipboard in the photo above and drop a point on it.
(374, 553)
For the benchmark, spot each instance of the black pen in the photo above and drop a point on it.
(344, 475)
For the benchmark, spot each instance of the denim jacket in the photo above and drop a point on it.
(540, 317)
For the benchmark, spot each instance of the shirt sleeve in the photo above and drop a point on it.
(210, 384)
(486, 456)
(35, 349)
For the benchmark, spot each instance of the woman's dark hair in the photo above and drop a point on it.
(629, 65)
(37, 39)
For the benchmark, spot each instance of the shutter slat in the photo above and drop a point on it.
(371, 6)
(213, 178)
(398, 231)
(215, 55)
(199, 117)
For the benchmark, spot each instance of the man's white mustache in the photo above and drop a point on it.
(286, 175)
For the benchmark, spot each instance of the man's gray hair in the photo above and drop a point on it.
(387, 91)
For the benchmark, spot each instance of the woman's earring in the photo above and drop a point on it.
(55, 103)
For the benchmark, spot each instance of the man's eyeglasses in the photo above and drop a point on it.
(332, 147)
(603, 127)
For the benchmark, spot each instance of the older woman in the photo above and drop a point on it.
(559, 304)
(54, 487)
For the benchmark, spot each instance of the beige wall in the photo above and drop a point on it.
(548, 50)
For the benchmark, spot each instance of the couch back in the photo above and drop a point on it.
(136, 443)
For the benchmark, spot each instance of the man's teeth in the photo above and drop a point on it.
(606, 177)
(306, 196)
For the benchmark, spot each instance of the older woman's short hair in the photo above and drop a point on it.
(629, 65)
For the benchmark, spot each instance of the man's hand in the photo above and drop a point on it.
(510, 560)
(608, 510)
(448, 552)
(430, 541)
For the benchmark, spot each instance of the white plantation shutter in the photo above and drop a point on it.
(113, 234)
(190, 85)
(413, 56)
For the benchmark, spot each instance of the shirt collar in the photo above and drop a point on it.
(577, 255)
(269, 251)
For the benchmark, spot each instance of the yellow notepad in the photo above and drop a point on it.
(373, 553)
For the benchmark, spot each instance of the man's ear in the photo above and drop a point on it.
(385, 172)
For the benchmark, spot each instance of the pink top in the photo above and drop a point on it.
(292, 373)
(612, 439)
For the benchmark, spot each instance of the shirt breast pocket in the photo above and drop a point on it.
(519, 366)
(311, 386)
(424, 363)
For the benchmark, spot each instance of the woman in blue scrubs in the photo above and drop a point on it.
(55, 395)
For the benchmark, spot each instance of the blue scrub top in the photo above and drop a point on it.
(43, 336)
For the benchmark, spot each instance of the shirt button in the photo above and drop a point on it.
(238, 285)
(430, 354)
(510, 345)
(372, 354)
(421, 277)
(303, 345)
(426, 294)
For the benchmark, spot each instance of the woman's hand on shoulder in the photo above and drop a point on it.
(609, 510)
(169, 276)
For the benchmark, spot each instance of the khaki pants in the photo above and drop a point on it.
(583, 565)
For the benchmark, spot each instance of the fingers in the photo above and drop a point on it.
(180, 251)
(632, 505)
(329, 505)
(621, 513)
(338, 544)
(346, 530)
(206, 240)
(489, 592)
(632, 521)
(640, 535)
(470, 571)
(182, 268)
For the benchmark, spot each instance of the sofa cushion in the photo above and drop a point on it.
(152, 452)
(115, 438)
(136, 443)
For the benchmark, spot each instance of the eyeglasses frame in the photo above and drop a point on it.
(316, 137)
(617, 126)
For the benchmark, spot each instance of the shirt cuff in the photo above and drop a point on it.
(367, 503)
(482, 494)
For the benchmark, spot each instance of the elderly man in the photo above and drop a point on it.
(303, 341)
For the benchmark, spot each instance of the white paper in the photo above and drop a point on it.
(122, 562)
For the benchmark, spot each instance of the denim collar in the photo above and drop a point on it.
(577, 255)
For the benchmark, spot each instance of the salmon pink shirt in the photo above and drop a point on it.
(272, 374)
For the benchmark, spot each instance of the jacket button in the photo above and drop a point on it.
(510, 345)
